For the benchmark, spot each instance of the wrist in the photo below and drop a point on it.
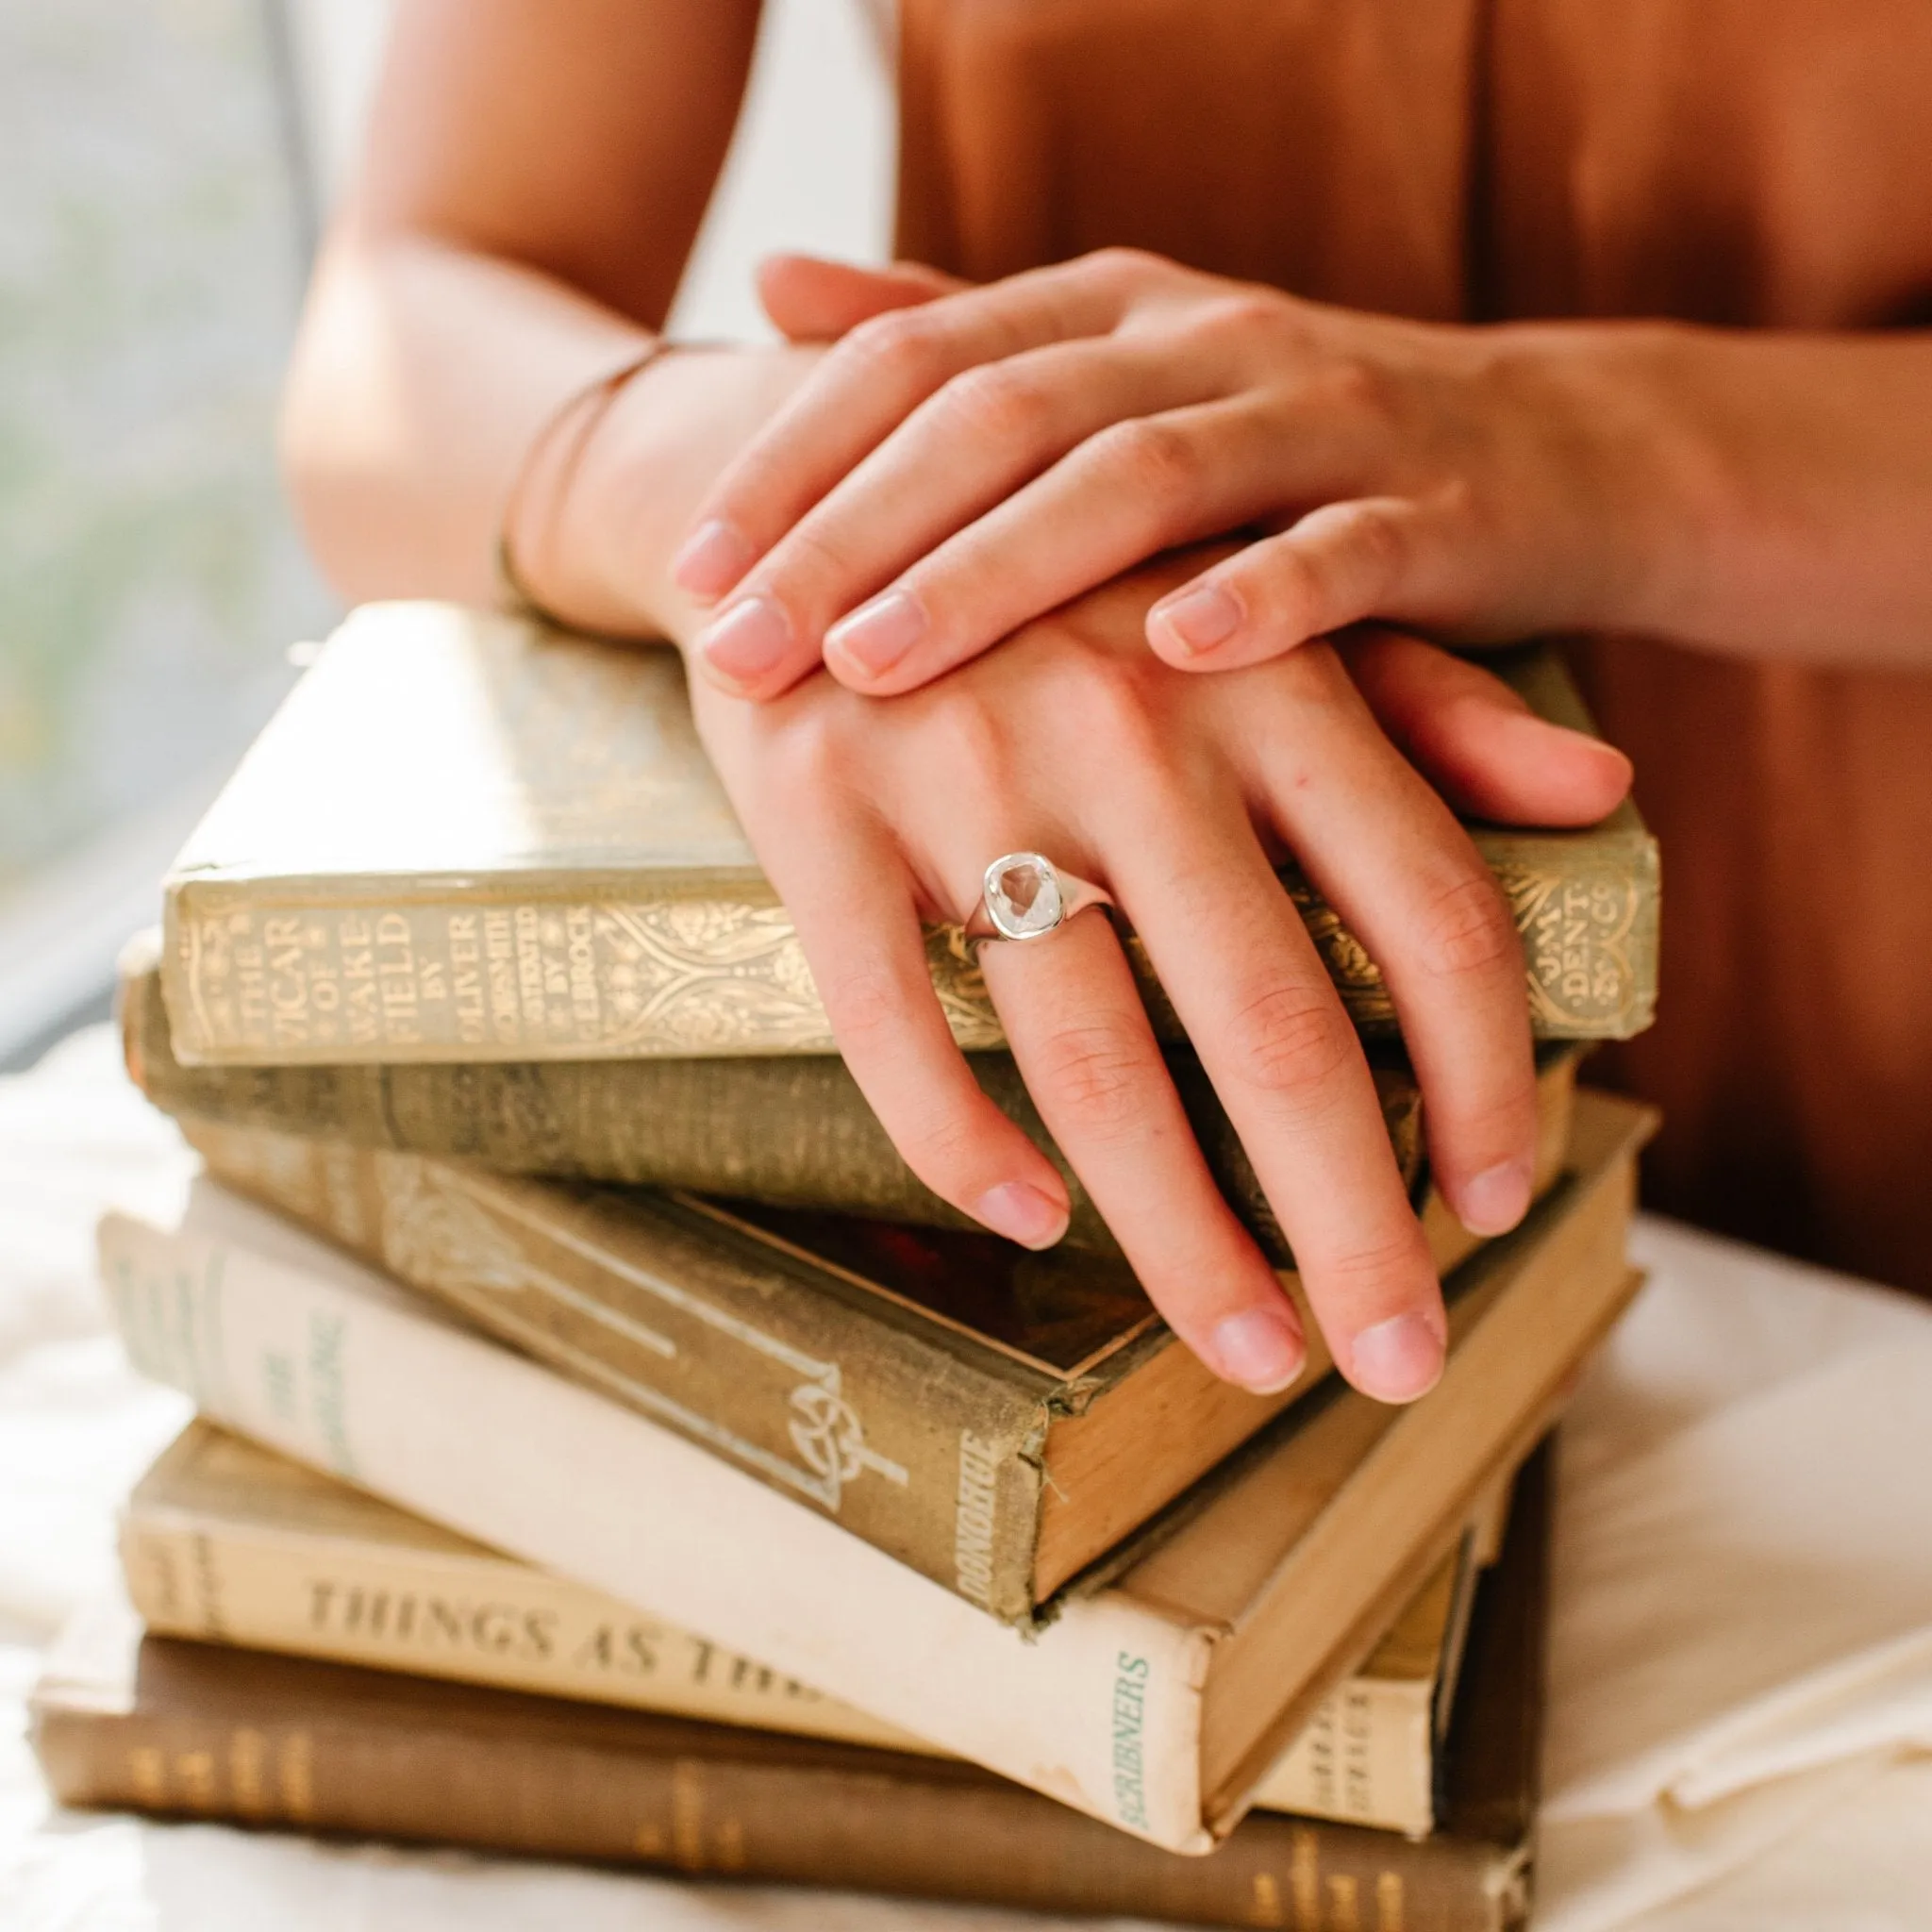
(1627, 453)
(531, 550)
(1680, 482)
(547, 550)
(603, 528)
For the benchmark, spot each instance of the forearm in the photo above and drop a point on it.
(534, 175)
(424, 378)
(421, 376)
(1795, 473)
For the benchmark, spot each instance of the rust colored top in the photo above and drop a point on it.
(1751, 163)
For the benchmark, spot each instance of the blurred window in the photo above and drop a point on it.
(151, 249)
(165, 166)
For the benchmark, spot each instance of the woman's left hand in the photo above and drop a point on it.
(966, 459)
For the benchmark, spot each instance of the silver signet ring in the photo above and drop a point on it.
(1024, 895)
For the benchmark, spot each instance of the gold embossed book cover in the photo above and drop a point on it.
(464, 837)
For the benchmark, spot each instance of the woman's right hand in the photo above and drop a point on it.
(1178, 794)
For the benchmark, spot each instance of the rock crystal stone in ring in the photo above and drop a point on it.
(1023, 894)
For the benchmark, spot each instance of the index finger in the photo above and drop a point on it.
(869, 380)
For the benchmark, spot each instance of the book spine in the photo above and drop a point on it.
(313, 1357)
(1589, 920)
(270, 974)
(735, 1127)
(1366, 1757)
(875, 1826)
(471, 1620)
(738, 1345)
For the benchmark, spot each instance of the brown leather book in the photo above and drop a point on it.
(463, 838)
(187, 1729)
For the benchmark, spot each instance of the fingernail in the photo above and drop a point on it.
(1496, 1199)
(748, 640)
(1201, 618)
(1397, 1361)
(714, 557)
(1258, 1349)
(1022, 1214)
(879, 634)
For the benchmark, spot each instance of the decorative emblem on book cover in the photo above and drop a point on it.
(478, 1254)
(828, 1435)
(1578, 933)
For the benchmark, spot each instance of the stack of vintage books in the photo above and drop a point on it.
(608, 1449)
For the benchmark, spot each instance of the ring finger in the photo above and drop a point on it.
(868, 962)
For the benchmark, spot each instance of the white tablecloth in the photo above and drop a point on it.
(1741, 1726)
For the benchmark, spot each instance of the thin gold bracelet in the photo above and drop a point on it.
(513, 595)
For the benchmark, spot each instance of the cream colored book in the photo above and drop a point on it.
(228, 1542)
(1158, 1700)
(466, 839)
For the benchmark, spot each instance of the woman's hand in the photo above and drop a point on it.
(1177, 794)
(962, 461)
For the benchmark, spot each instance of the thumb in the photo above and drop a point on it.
(809, 299)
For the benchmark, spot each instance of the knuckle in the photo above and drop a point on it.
(1287, 583)
(1465, 931)
(866, 1004)
(901, 343)
(1118, 266)
(1248, 316)
(1382, 1275)
(1454, 504)
(808, 758)
(971, 743)
(1495, 1128)
(1095, 1075)
(1314, 681)
(1380, 542)
(945, 1147)
(994, 402)
(1106, 704)
(1357, 386)
(1133, 735)
(1289, 1043)
(811, 557)
(1158, 461)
